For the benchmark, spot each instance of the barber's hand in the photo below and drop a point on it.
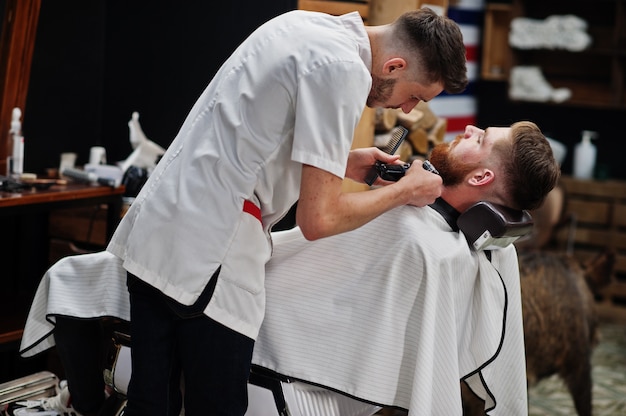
(361, 160)
(423, 185)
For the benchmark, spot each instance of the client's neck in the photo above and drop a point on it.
(459, 198)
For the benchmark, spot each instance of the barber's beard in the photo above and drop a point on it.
(452, 170)
(381, 91)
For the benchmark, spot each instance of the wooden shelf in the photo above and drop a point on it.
(496, 57)
(596, 76)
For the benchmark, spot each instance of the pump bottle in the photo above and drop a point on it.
(585, 156)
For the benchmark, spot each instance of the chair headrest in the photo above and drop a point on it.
(489, 226)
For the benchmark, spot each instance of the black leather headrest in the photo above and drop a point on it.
(489, 226)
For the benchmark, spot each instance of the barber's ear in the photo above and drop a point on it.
(481, 177)
(393, 65)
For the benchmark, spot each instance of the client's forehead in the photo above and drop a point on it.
(498, 133)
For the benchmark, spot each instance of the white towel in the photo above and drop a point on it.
(567, 32)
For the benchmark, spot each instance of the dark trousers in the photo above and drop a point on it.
(83, 345)
(167, 338)
(80, 344)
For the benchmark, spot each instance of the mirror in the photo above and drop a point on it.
(17, 41)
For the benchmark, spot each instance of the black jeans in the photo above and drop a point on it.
(166, 337)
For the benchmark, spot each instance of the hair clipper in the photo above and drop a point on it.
(397, 137)
(395, 172)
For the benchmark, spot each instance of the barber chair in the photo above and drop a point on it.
(489, 226)
(269, 394)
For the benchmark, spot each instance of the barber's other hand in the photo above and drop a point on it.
(423, 185)
(361, 160)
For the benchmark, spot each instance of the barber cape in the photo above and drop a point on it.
(396, 313)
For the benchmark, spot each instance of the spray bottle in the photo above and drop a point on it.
(585, 156)
(15, 162)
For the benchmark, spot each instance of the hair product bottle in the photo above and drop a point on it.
(15, 162)
(585, 156)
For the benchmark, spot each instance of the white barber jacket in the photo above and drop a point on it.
(291, 94)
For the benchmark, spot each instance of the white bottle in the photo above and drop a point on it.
(15, 164)
(585, 156)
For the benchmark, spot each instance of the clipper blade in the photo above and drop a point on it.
(429, 167)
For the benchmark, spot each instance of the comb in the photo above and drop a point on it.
(398, 135)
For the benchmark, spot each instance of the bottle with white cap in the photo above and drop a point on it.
(585, 156)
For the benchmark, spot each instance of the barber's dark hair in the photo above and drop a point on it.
(529, 166)
(438, 42)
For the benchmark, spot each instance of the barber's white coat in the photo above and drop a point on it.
(291, 94)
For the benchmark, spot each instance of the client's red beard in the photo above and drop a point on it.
(452, 170)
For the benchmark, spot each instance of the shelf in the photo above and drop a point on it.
(496, 57)
(596, 76)
(589, 93)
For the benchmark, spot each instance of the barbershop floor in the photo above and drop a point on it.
(550, 397)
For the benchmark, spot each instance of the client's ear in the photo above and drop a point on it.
(482, 176)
